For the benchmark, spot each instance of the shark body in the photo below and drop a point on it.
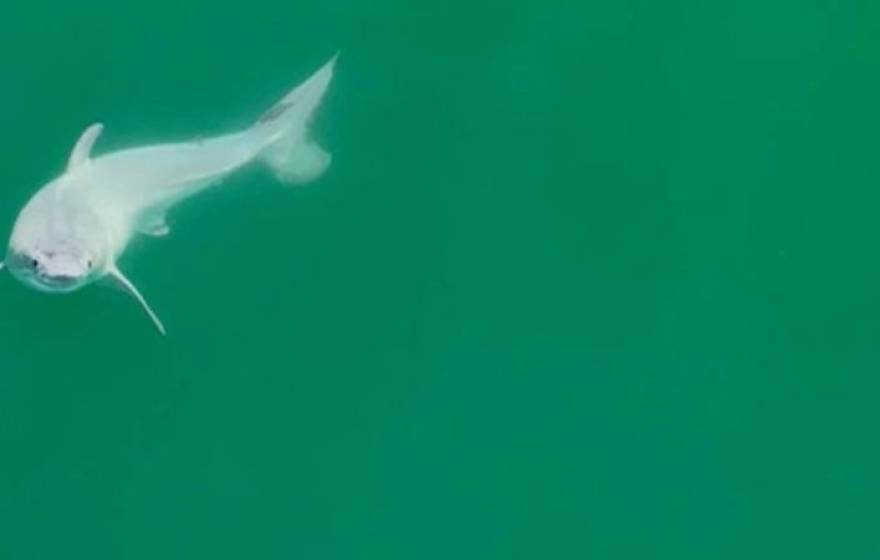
(74, 230)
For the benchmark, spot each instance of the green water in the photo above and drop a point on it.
(587, 279)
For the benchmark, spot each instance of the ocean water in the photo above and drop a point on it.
(587, 279)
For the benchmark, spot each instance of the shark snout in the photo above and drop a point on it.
(61, 266)
(50, 271)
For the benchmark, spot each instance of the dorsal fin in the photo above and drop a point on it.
(126, 286)
(83, 148)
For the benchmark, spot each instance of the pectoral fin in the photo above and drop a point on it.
(83, 148)
(125, 285)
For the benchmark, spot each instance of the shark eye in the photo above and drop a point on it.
(34, 263)
(90, 263)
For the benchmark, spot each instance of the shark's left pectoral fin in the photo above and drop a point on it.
(83, 148)
(125, 285)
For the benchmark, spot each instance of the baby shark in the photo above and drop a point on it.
(74, 230)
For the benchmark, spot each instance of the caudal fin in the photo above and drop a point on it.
(290, 152)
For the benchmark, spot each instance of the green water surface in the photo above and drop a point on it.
(587, 279)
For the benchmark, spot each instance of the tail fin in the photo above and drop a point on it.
(289, 151)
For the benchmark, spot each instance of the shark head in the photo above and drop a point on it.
(56, 246)
(58, 266)
(61, 243)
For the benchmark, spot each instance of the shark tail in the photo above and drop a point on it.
(290, 152)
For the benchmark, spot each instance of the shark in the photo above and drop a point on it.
(74, 230)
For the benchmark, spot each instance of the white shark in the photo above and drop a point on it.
(73, 231)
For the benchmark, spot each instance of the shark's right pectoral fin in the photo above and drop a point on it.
(119, 279)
